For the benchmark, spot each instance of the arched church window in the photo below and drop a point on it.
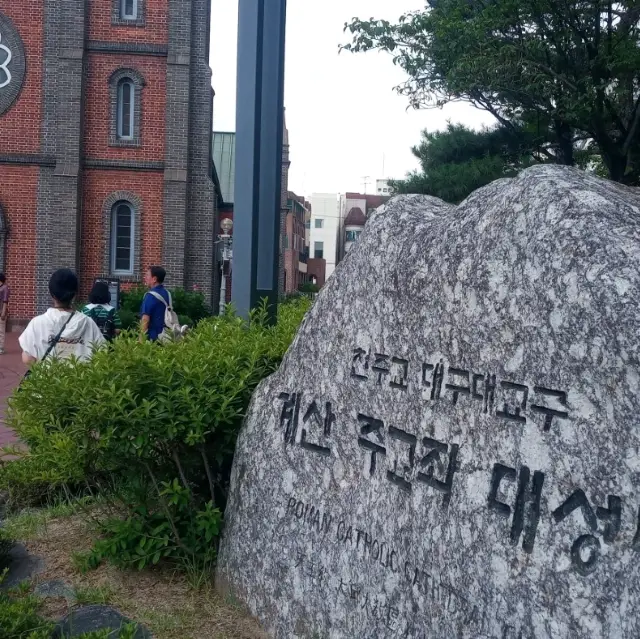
(126, 105)
(122, 238)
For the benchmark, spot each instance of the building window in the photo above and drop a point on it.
(129, 9)
(122, 239)
(318, 250)
(319, 223)
(126, 97)
(126, 105)
(352, 236)
(127, 13)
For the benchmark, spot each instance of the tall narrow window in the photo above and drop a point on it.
(122, 235)
(129, 9)
(126, 104)
(318, 250)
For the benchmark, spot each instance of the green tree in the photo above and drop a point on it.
(457, 161)
(573, 63)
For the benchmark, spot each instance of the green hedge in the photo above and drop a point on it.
(309, 287)
(188, 304)
(159, 422)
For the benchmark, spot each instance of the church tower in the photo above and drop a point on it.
(105, 138)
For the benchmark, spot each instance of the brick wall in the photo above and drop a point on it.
(155, 29)
(59, 165)
(18, 197)
(98, 185)
(20, 133)
(316, 268)
(20, 125)
(98, 115)
(200, 212)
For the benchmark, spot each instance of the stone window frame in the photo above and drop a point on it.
(108, 209)
(122, 206)
(138, 82)
(117, 19)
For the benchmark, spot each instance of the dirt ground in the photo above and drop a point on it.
(158, 598)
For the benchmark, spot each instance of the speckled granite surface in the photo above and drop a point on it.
(451, 447)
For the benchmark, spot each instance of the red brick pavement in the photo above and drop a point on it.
(11, 372)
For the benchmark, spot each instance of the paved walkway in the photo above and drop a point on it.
(11, 372)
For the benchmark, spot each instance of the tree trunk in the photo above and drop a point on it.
(564, 136)
(616, 164)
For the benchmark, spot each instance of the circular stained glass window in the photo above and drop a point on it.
(12, 64)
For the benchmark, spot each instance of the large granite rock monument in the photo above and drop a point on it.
(451, 448)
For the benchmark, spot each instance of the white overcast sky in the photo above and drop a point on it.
(345, 120)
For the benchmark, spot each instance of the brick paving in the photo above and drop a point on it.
(11, 372)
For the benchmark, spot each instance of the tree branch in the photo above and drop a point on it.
(183, 477)
(484, 104)
(166, 510)
(615, 116)
(207, 469)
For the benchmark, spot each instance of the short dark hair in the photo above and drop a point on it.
(100, 293)
(3, 278)
(63, 285)
(158, 272)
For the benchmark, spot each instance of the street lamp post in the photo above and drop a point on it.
(226, 225)
(259, 131)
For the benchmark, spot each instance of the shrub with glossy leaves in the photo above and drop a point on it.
(160, 420)
(189, 304)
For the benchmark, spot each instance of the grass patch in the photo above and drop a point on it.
(167, 623)
(172, 604)
(82, 561)
(89, 595)
(32, 523)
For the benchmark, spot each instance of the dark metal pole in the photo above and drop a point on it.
(271, 152)
(248, 111)
(259, 131)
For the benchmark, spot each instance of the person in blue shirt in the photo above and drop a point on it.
(153, 310)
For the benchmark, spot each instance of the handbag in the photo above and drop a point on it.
(53, 344)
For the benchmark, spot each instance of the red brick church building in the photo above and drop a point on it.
(105, 126)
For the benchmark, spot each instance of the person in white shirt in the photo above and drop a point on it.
(61, 332)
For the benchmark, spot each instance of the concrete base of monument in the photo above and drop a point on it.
(450, 447)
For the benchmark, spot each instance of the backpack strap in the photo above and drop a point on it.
(159, 297)
(56, 339)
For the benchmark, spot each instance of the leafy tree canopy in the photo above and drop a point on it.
(457, 161)
(573, 63)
